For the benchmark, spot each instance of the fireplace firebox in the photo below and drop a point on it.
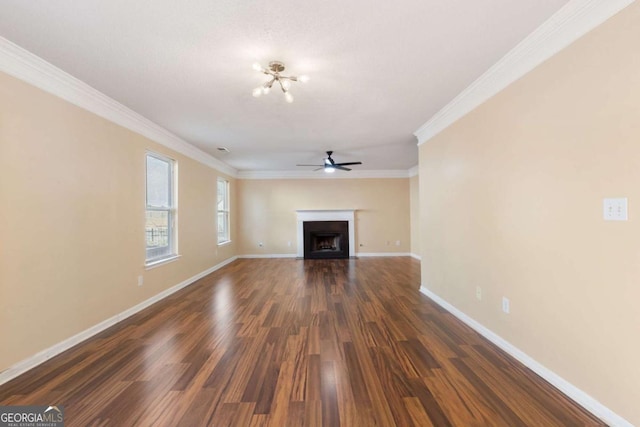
(326, 239)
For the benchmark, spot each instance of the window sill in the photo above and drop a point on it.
(226, 242)
(159, 262)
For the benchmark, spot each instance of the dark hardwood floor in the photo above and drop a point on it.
(285, 342)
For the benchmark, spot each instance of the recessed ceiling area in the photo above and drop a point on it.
(378, 71)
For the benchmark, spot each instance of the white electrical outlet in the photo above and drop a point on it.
(506, 305)
(140, 280)
(397, 242)
(615, 209)
(289, 243)
(478, 293)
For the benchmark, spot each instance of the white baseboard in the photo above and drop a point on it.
(582, 398)
(268, 256)
(46, 354)
(358, 254)
(368, 254)
(416, 256)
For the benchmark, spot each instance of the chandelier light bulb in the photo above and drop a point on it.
(257, 66)
(288, 97)
(257, 92)
(304, 78)
(266, 90)
(286, 84)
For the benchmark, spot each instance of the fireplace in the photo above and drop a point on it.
(325, 242)
(326, 239)
(326, 233)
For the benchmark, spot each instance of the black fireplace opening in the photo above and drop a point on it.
(326, 239)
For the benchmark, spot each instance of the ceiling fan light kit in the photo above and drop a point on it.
(273, 71)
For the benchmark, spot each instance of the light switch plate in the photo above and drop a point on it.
(615, 209)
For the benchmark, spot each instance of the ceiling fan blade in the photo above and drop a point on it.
(320, 166)
(317, 169)
(348, 163)
(342, 168)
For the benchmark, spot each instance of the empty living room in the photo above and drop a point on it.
(330, 214)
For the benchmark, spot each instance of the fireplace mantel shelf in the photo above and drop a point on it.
(323, 211)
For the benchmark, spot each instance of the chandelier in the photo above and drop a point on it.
(274, 70)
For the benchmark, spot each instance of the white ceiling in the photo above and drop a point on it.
(378, 70)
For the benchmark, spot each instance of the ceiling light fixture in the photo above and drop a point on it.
(274, 70)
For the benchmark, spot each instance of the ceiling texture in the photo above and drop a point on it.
(378, 70)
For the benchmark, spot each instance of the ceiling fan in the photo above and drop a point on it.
(330, 165)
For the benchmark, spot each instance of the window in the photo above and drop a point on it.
(161, 209)
(223, 211)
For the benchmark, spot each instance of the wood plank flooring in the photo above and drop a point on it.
(284, 342)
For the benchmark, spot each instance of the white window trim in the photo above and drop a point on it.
(172, 209)
(227, 211)
(157, 263)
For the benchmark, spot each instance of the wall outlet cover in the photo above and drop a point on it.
(506, 305)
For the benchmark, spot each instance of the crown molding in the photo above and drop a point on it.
(26, 66)
(571, 22)
(354, 174)
(414, 171)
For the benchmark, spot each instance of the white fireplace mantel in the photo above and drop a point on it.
(327, 215)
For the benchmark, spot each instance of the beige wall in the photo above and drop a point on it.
(267, 212)
(414, 213)
(511, 201)
(72, 220)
